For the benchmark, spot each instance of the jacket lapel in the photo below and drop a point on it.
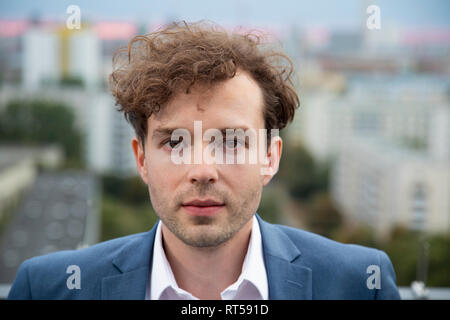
(133, 263)
(287, 278)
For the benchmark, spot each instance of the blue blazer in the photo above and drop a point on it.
(299, 265)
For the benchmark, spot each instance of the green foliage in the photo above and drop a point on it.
(413, 143)
(439, 263)
(71, 81)
(121, 219)
(323, 218)
(403, 249)
(130, 190)
(36, 122)
(270, 207)
(126, 207)
(362, 235)
(300, 173)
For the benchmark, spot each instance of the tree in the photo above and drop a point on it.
(270, 208)
(323, 218)
(130, 190)
(126, 207)
(121, 219)
(36, 122)
(300, 173)
(403, 251)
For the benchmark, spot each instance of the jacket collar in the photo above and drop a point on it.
(133, 262)
(287, 279)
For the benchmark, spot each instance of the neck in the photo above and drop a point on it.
(206, 272)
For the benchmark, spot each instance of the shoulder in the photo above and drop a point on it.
(42, 277)
(343, 270)
(97, 254)
(312, 245)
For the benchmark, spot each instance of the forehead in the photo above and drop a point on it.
(236, 102)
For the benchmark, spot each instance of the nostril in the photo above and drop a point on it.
(200, 180)
(202, 175)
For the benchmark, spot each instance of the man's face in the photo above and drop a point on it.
(236, 188)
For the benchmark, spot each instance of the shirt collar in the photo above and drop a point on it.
(253, 269)
(162, 276)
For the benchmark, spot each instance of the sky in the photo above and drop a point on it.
(310, 13)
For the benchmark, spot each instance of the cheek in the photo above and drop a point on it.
(161, 191)
(161, 176)
(244, 176)
(246, 184)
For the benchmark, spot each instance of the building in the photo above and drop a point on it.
(60, 211)
(52, 55)
(107, 136)
(18, 169)
(439, 137)
(382, 184)
(400, 109)
(40, 52)
(45, 210)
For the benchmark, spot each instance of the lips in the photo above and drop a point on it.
(206, 207)
(203, 203)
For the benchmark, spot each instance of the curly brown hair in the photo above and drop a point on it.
(156, 66)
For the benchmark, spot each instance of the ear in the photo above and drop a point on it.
(139, 155)
(273, 156)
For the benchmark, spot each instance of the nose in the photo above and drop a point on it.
(202, 173)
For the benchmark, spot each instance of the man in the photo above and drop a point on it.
(190, 80)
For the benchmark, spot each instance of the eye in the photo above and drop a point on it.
(233, 143)
(173, 143)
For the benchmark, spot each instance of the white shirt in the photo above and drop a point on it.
(251, 284)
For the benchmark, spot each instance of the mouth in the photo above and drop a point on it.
(206, 207)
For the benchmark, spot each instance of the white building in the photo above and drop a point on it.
(50, 55)
(107, 135)
(383, 185)
(403, 110)
(40, 58)
(109, 138)
(439, 138)
(18, 169)
(85, 57)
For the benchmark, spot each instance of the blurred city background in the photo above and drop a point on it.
(366, 160)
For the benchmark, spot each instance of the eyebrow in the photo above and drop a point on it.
(162, 132)
(165, 132)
